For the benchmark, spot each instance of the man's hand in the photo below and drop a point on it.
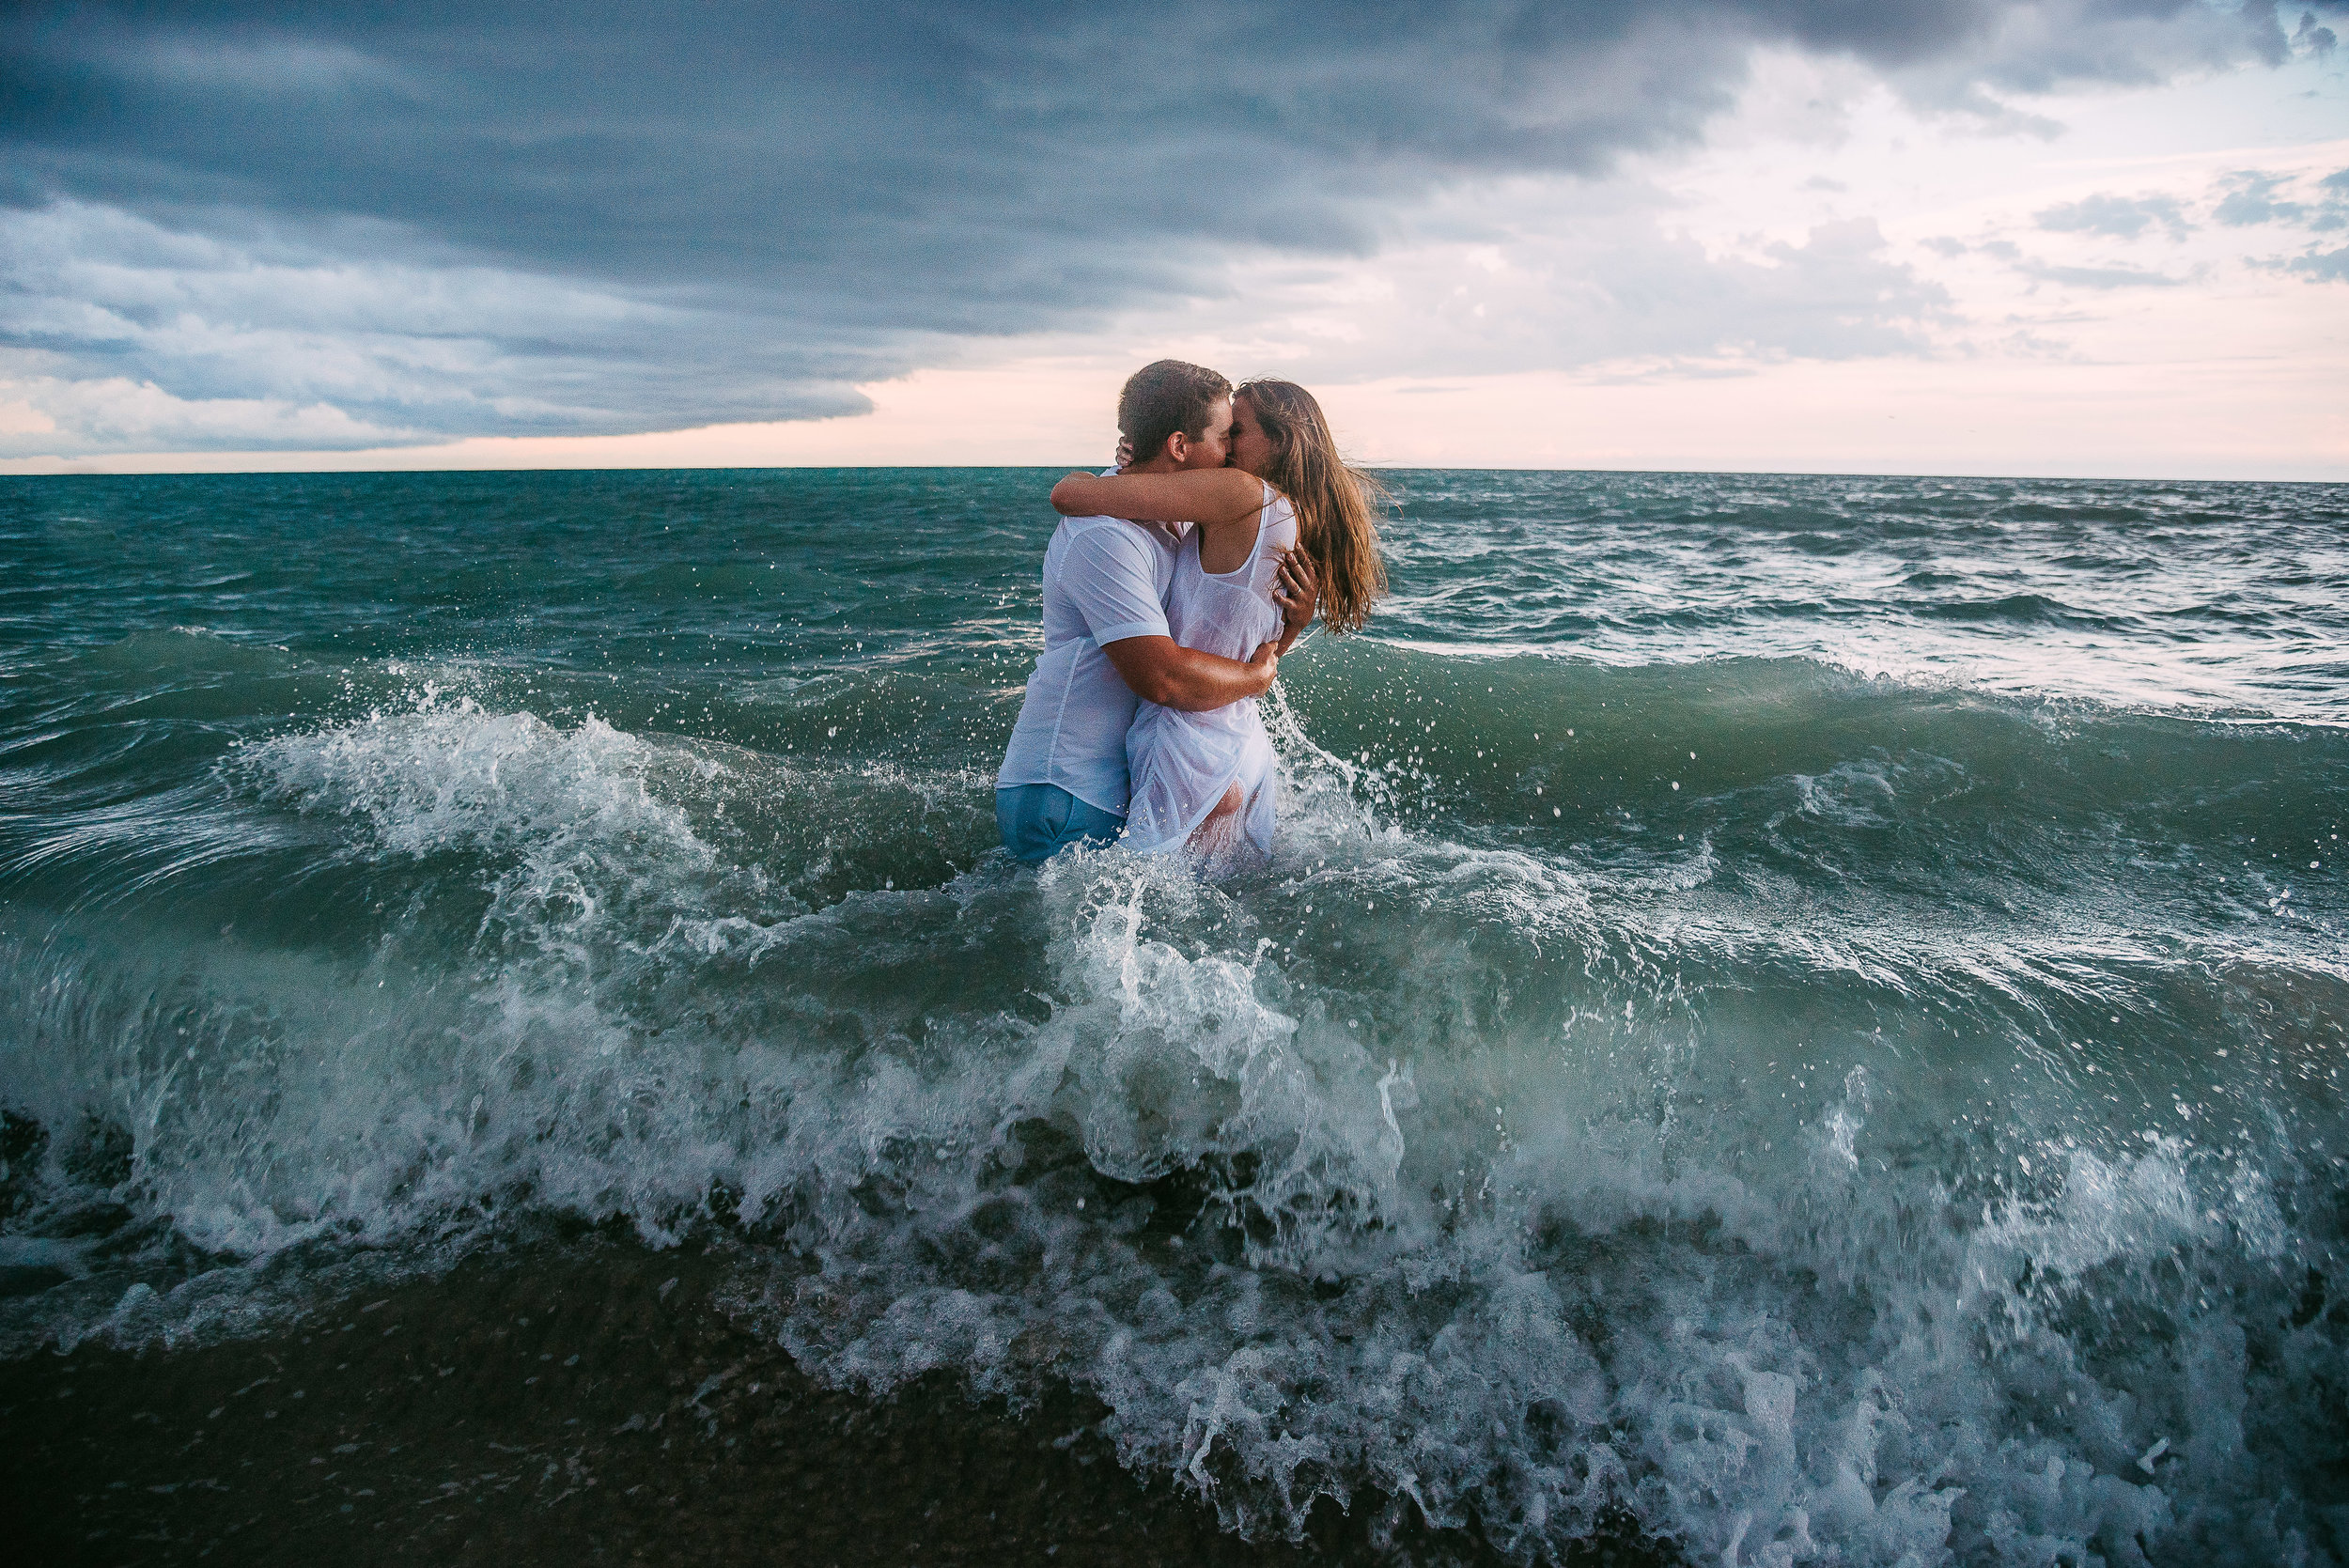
(1296, 589)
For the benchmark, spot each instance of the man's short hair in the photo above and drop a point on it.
(1161, 398)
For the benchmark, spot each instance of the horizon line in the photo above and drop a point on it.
(9, 473)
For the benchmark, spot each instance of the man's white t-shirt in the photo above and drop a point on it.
(1105, 579)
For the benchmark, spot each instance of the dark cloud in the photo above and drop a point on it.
(2118, 217)
(434, 219)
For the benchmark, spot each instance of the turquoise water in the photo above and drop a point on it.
(1808, 1009)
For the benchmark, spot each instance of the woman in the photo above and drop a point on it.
(1204, 779)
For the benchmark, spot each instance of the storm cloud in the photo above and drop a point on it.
(347, 224)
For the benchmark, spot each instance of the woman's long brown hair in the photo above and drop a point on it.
(1337, 520)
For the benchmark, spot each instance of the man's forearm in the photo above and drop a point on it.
(1204, 680)
(1161, 670)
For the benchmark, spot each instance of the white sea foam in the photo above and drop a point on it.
(1458, 1174)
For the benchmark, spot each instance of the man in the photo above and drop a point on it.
(1105, 637)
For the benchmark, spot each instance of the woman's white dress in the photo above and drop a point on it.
(1182, 763)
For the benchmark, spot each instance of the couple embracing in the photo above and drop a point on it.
(1172, 589)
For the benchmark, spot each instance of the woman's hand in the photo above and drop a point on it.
(1297, 590)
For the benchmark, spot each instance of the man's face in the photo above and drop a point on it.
(1211, 448)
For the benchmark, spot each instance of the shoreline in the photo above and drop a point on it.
(555, 1404)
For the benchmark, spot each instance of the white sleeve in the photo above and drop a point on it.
(1111, 579)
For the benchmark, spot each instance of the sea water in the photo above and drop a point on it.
(1809, 1011)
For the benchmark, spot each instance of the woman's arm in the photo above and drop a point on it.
(1207, 496)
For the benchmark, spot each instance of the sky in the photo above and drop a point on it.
(2095, 238)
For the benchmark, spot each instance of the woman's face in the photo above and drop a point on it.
(1251, 449)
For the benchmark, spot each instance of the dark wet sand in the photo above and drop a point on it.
(428, 1422)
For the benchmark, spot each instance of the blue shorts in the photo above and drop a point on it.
(1038, 821)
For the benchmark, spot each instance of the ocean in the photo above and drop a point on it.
(1797, 1019)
